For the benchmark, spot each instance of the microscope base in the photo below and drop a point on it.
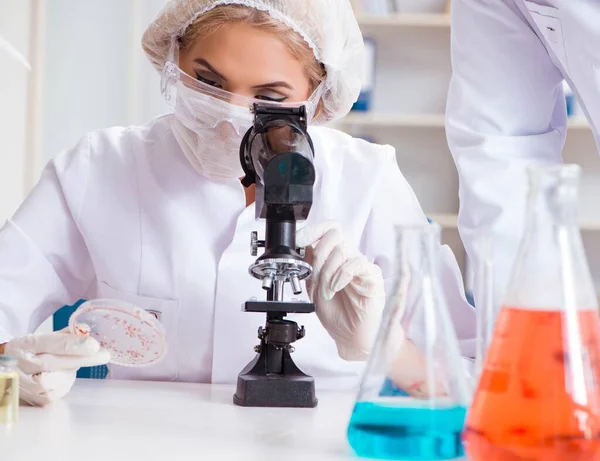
(257, 388)
(275, 391)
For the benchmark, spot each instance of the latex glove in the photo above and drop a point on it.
(409, 372)
(48, 364)
(347, 289)
(407, 364)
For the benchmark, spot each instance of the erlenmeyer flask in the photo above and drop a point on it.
(538, 396)
(414, 393)
(486, 309)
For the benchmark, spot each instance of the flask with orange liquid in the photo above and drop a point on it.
(538, 398)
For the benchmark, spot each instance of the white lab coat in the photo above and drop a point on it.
(506, 108)
(124, 216)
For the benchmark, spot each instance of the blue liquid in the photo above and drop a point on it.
(389, 389)
(406, 433)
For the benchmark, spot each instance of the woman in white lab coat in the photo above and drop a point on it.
(156, 215)
(506, 108)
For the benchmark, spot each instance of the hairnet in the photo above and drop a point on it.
(328, 26)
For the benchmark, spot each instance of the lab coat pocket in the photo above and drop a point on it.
(166, 311)
(548, 22)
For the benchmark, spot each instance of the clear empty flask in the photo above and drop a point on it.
(486, 308)
(413, 396)
(538, 398)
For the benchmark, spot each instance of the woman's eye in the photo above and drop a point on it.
(202, 79)
(271, 98)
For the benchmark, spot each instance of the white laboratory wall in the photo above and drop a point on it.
(14, 78)
(96, 73)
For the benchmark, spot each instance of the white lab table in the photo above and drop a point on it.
(120, 420)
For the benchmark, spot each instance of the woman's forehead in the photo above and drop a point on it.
(239, 47)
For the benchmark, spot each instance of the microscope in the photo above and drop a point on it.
(276, 155)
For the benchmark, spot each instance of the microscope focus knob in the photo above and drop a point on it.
(301, 332)
(254, 243)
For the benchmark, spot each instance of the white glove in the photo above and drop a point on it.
(48, 364)
(347, 289)
(409, 372)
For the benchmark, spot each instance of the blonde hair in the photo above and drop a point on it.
(212, 20)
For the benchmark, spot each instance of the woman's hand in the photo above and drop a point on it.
(48, 364)
(409, 371)
(347, 289)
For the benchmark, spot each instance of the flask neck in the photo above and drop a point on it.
(553, 199)
(551, 271)
(419, 248)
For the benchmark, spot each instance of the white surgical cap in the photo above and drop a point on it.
(328, 26)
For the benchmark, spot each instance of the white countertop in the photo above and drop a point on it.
(120, 420)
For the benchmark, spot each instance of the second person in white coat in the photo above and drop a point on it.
(156, 215)
(506, 108)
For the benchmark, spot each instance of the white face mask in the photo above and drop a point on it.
(209, 128)
(210, 132)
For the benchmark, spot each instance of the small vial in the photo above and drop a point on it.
(9, 390)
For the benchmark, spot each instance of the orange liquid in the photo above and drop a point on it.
(527, 406)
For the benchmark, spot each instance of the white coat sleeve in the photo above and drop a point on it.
(44, 262)
(506, 112)
(395, 204)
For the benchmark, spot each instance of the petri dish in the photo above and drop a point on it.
(134, 337)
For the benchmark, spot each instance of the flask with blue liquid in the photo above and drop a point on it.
(415, 391)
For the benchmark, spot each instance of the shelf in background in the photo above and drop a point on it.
(450, 222)
(579, 123)
(446, 221)
(374, 119)
(394, 120)
(406, 20)
(590, 226)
